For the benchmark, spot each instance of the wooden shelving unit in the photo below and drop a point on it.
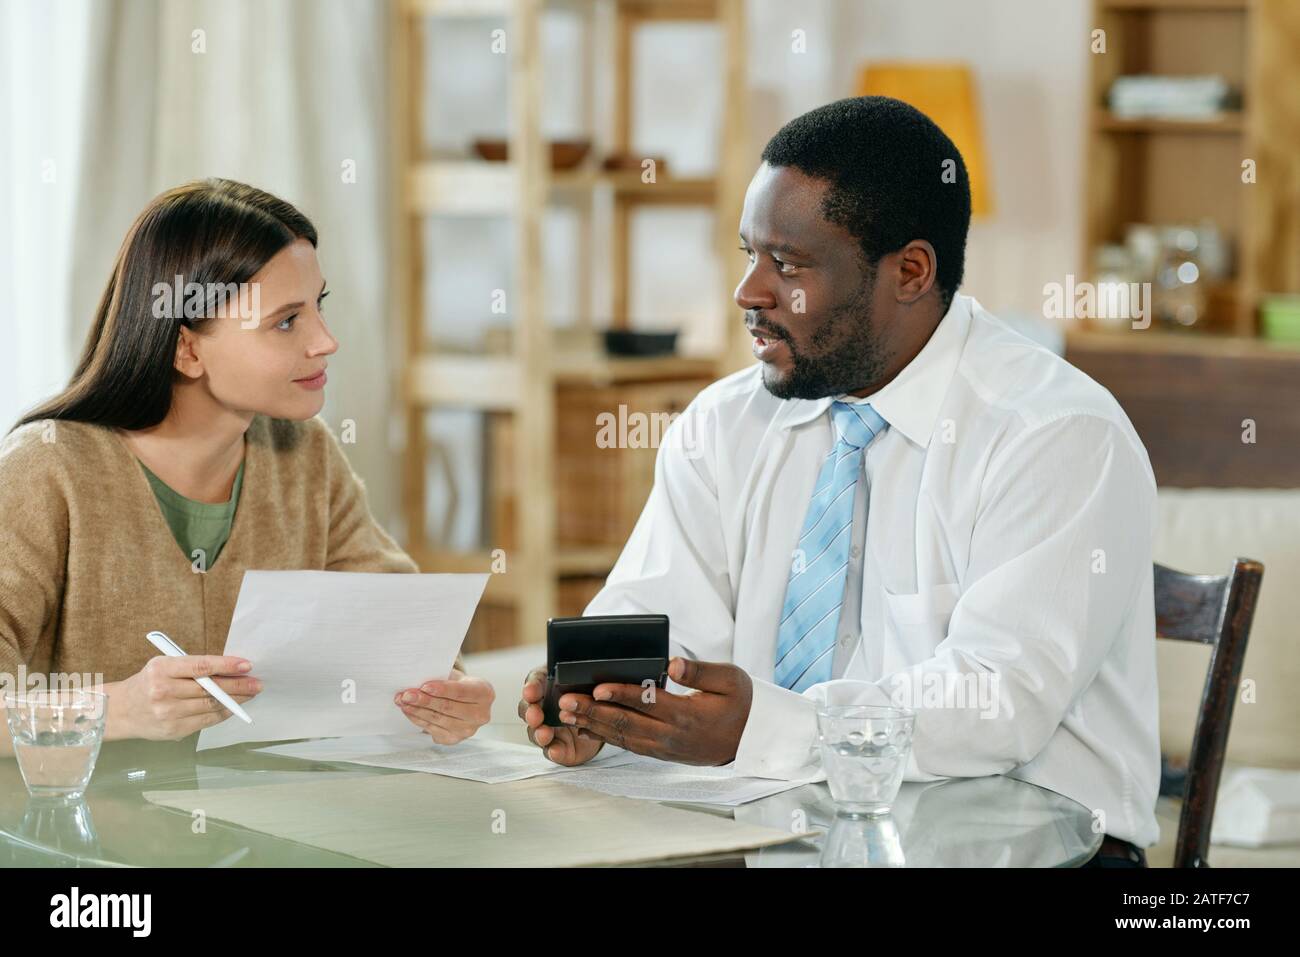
(1227, 123)
(1183, 171)
(525, 383)
(1188, 393)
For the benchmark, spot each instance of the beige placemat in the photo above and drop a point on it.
(426, 820)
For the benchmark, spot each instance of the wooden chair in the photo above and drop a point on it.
(1216, 611)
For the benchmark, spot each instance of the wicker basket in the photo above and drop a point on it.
(599, 491)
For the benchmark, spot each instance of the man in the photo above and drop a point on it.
(903, 502)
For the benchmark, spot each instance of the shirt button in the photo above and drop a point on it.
(845, 639)
(855, 551)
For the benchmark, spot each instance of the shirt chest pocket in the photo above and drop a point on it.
(919, 620)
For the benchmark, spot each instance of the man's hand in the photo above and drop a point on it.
(567, 746)
(703, 727)
(449, 710)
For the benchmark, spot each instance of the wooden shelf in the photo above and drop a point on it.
(1168, 172)
(1186, 5)
(458, 8)
(519, 391)
(608, 370)
(585, 561)
(500, 589)
(490, 383)
(1191, 342)
(643, 9)
(1225, 123)
(477, 187)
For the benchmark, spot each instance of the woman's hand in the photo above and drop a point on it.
(449, 710)
(163, 702)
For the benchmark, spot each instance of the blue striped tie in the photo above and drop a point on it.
(815, 592)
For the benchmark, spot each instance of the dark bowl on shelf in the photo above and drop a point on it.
(625, 342)
(628, 162)
(565, 154)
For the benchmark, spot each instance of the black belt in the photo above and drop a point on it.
(1114, 847)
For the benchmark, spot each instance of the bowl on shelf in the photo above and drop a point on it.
(565, 154)
(627, 162)
(627, 342)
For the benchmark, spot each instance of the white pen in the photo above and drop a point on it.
(172, 650)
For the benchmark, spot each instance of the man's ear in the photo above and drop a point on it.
(187, 361)
(917, 264)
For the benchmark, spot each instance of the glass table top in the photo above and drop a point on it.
(973, 822)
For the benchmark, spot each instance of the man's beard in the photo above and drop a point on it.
(843, 356)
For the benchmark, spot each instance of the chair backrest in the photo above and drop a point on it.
(1215, 610)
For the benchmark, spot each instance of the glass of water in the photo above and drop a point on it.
(864, 750)
(56, 736)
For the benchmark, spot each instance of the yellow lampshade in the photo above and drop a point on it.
(945, 92)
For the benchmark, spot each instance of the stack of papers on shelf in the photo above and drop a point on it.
(1169, 97)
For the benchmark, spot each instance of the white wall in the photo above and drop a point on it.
(1030, 60)
(40, 154)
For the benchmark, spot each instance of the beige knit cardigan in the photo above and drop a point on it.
(88, 564)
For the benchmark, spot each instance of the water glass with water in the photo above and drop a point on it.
(864, 751)
(56, 736)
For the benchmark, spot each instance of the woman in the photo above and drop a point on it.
(185, 450)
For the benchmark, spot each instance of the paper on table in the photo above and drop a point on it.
(427, 820)
(343, 749)
(653, 780)
(486, 761)
(333, 648)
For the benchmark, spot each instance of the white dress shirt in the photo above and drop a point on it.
(1000, 570)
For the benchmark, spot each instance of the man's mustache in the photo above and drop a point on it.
(754, 323)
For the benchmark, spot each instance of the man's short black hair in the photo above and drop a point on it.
(885, 162)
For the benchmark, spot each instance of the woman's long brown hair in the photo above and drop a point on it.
(214, 231)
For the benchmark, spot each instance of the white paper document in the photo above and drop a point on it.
(475, 759)
(332, 649)
(654, 780)
(613, 771)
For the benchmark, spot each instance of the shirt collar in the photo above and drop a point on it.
(909, 403)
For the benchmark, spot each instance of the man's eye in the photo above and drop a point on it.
(749, 253)
(782, 266)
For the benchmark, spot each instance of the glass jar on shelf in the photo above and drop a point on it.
(1113, 275)
(1179, 292)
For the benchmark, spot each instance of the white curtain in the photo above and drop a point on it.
(43, 49)
(121, 99)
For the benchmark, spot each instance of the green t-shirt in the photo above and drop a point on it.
(197, 525)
